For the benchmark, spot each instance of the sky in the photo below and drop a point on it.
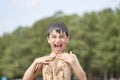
(15, 13)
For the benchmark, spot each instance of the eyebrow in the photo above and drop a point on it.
(59, 33)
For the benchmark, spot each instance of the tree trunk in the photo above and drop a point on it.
(105, 75)
(90, 76)
(56, 70)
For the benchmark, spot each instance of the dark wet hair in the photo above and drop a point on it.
(58, 26)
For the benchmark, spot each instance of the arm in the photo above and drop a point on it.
(32, 71)
(35, 67)
(72, 60)
(79, 72)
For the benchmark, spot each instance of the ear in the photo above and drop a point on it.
(68, 38)
(48, 40)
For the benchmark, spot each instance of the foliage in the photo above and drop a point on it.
(94, 38)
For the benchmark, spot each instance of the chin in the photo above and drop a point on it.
(58, 52)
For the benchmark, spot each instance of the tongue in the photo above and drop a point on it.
(58, 47)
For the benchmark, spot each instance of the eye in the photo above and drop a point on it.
(53, 36)
(62, 36)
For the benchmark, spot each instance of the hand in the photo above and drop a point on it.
(68, 58)
(72, 60)
(43, 60)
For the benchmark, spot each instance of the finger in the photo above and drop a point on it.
(53, 55)
(60, 58)
(49, 58)
(70, 52)
(58, 55)
(45, 62)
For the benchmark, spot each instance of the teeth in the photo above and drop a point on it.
(58, 45)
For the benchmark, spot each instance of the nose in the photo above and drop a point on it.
(57, 39)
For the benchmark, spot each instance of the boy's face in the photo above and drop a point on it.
(57, 41)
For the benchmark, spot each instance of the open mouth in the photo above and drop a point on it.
(58, 47)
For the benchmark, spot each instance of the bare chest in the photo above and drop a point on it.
(56, 70)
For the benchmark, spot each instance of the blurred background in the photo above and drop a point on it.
(94, 27)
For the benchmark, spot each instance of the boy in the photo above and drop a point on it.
(57, 65)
